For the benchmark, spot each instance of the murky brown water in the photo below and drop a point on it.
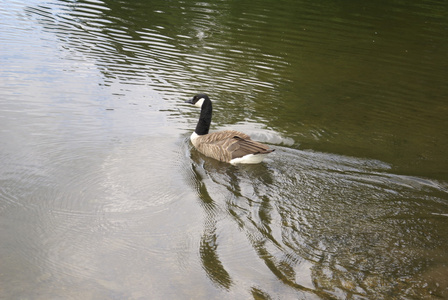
(103, 197)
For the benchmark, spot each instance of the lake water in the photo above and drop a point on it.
(103, 197)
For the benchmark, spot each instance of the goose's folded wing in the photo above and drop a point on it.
(241, 147)
(229, 144)
(214, 150)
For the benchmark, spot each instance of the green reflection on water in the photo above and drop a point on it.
(359, 79)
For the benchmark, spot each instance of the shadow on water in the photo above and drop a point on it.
(323, 225)
(208, 247)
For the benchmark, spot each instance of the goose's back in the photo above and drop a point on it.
(227, 145)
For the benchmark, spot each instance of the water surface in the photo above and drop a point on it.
(103, 197)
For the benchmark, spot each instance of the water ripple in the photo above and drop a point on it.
(322, 215)
(99, 193)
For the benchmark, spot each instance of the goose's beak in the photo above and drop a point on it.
(189, 101)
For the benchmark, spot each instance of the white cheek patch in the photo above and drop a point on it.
(200, 102)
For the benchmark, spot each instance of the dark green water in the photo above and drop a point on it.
(103, 197)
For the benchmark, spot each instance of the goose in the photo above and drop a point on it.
(229, 145)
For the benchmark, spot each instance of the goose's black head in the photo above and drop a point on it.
(199, 100)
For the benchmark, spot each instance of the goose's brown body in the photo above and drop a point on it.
(228, 145)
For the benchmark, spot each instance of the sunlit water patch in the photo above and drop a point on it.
(95, 215)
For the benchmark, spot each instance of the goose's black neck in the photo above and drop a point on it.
(205, 118)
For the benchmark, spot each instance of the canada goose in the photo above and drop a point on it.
(229, 146)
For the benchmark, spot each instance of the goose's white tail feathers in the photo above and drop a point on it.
(249, 159)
